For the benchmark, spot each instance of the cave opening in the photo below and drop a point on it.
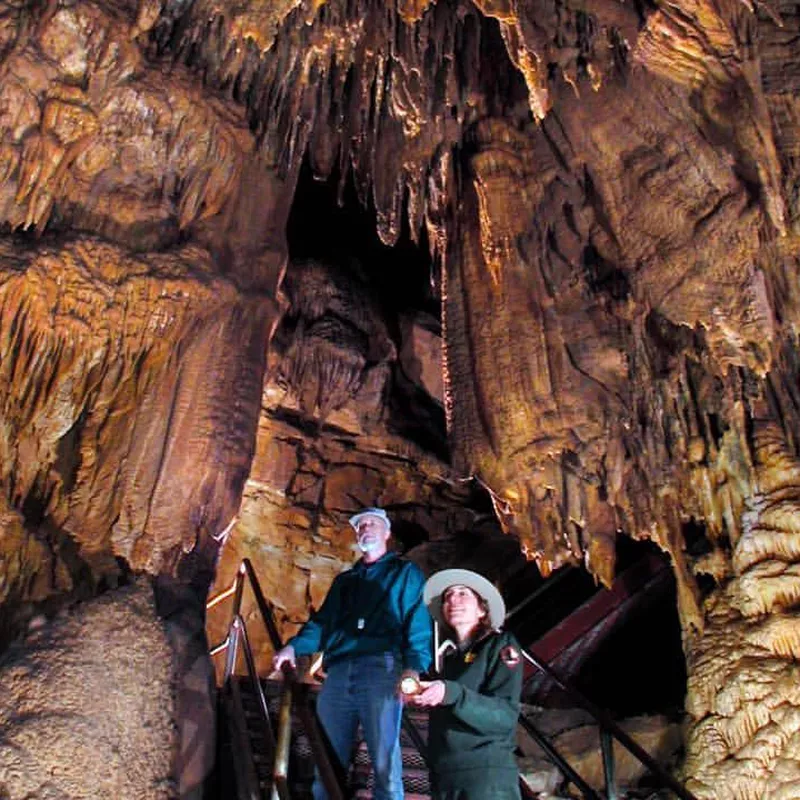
(331, 229)
(640, 667)
(332, 224)
(621, 648)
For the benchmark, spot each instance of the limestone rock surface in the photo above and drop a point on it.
(609, 194)
(76, 719)
(576, 737)
(325, 448)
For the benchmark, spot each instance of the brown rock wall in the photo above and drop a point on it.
(30, 569)
(123, 373)
(116, 382)
(302, 488)
(612, 192)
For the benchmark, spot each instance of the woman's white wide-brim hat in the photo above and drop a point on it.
(441, 581)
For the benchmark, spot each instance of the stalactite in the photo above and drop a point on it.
(91, 139)
(323, 372)
(337, 338)
(357, 81)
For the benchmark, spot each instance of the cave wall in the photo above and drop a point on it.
(147, 290)
(329, 443)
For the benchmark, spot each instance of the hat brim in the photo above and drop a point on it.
(381, 515)
(441, 581)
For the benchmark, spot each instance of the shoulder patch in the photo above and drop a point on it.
(509, 655)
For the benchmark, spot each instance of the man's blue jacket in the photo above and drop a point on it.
(369, 609)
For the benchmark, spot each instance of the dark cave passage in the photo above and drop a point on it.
(640, 667)
(621, 648)
(319, 227)
(395, 284)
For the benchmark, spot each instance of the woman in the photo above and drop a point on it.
(474, 708)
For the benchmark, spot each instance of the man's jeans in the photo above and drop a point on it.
(364, 689)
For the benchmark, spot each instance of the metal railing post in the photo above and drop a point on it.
(550, 751)
(331, 772)
(280, 772)
(233, 649)
(258, 689)
(247, 780)
(607, 747)
(605, 722)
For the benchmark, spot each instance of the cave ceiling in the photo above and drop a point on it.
(607, 196)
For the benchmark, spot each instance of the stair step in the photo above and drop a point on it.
(410, 761)
(365, 794)
(301, 768)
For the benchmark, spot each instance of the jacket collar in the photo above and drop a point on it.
(362, 565)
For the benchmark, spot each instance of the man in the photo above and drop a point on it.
(374, 630)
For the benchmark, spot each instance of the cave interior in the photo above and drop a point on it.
(522, 272)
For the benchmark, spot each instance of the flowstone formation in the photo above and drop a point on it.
(744, 671)
(146, 298)
(609, 194)
(76, 722)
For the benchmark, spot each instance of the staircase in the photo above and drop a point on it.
(565, 637)
(255, 713)
(415, 771)
(301, 762)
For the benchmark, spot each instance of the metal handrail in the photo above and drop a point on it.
(331, 771)
(265, 609)
(280, 749)
(607, 748)
(552, 753)
(606, 723)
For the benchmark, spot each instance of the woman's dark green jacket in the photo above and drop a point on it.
(473, 733)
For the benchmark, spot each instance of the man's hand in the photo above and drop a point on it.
(284, 656)
(431, 694)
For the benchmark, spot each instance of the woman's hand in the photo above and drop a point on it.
(431, 693)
